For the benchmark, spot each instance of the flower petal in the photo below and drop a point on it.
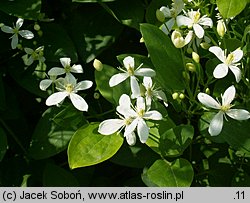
(135, 88)
(78, 102)
(228, 95)
(29, 61)
(238, 114)
(83, 85)
(110, 126)
(145, 72)
(117, 79)
(147, 82)
(131, 139)
(206, 21)
(142, 130)
(167, 27)
(166, 11)
(65, 61)
(237, 73)
(218, 52)
(76, 69)
(238, 54)
(216, 124)
(14, 41)
(161, 96)
(129, 62)
(44, 84)
(183, 20)
(26, 34)
(140, 103)
(28, 50)
(56, 71)
(220, 71)
(198, 30)
(19, 23)
(208, 101)
(153, 115)
(131, 127)
(7, 29)
(56, 98)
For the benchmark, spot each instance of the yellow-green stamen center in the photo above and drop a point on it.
(225, 108)
(197, 16)
(130, 71)
(229, 59)
(141, 112)
(69, 88)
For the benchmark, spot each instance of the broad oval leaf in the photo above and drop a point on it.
(162, 173)
(231, 8)
(165, 57)
(87, 147)
(54, 131)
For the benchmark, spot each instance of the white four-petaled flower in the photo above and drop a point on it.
(68, 87)
(194, 20)
(216, 123)
(228, 61)
(15, 31)
(172, 13)
(131, 72)
(134, 118)
(36, 54)
(67, 68)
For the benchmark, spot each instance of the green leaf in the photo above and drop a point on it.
(57, 43)
(165, 57)
(236, 134)
(54, 176)
(178, 173)
(174, 141)
(230, 8)
(87, 147)
(54, 131)
(22, 8)
(231, 44)
(3, 143)
(137, 156)
(128, 12)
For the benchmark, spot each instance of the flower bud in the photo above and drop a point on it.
(189, 50)
(19, 46)
(177, 39)
(207, 90)
(1, 25)
(37, 27)
(182, 96)
(98, 65)
(141, 40)
(160, 15)
(221, 28)
(40, 33)
(205, 45)
(185, 75)
(175, 95)
(96, 95)
(196, 57)
(191, 67)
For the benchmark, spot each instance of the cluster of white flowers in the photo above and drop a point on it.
(67, 86)
(189, 29)
(31, 55)
(134, 117)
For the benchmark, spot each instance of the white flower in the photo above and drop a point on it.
(130, 72)
(178, 39)
(140, 114)
(15, 31)
(216, 124)
(133, 117)
(34, 55)
(195, 21)
(67, 68)
(228, 61)
(68, 87)
(172, 13)
(111, 126)
(44, 84)
(151, 92)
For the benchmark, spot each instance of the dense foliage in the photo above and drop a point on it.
(124, 93)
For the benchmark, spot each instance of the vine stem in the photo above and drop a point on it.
(7, 128)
